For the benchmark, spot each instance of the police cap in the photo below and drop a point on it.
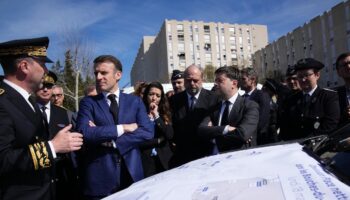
(177, 74)
(50, 78)
(36, 48)
(291, 71)
(308, 63)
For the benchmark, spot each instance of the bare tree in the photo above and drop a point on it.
(80, 54)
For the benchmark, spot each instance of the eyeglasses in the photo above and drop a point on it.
(57, 95)
(304, 76)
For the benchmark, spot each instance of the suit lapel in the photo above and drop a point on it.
(102, 103)
(235, 109)
(121, 105)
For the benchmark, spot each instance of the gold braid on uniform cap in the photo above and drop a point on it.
(28, 50)
(49, 79)
(39, 155)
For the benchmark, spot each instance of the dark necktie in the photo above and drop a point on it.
(224, 117)
(114, 108)
(44, 113)
(46, 122)
(306, 98)
(246, 95)
(193, 99)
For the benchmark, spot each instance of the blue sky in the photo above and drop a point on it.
(117, 27)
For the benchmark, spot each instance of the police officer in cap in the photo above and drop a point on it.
(312, 111)
(27, 153)
(178, 81)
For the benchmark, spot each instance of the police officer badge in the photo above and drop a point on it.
(317, 124)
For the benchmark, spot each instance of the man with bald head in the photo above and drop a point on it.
(188, 109)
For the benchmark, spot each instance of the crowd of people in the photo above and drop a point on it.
(116, 139)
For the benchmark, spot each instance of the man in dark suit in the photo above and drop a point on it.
(113, 125)
(188, 109)
(249, 83)
(343, 70)
(312, 111)
(233, 122)
(56, 118)
(26, 152)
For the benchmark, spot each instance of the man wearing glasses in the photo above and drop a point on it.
(57, 95)
(311, 111)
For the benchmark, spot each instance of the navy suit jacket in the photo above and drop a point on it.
(101, 169)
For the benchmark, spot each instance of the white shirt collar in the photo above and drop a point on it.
(48, 106)
(19, 89)
(197, 95)
(311, 92)
(117, 93)
(232, 99)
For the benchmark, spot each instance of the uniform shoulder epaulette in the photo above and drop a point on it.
(328, 89)
(2, 91)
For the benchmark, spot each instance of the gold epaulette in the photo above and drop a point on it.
(40, 156)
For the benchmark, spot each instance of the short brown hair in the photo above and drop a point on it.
(109, 58)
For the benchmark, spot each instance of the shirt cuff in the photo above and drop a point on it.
(225, 130)
(52, 150)
(120, 130)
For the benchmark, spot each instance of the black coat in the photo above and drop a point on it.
(244, 116)
(263, 100)
(321, 116)
(26, 161)
(66, 176)
(163, 133)
(343, 105)
(185, 123)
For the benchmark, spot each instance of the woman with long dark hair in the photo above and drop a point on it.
(156, 152)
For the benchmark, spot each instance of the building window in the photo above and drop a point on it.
(207, 47)
(232, 30)
(206, 29)
(206, 38)
(170, 37)
(181, 47)
(180, 38)
(182, 56)
(180, 28)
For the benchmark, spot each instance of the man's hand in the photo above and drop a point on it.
(130, 127)
(231, 128)
(66, 141)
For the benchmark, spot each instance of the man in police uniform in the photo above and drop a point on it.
(178, 81)
(56, 118)
(26, 152)
(312, 111)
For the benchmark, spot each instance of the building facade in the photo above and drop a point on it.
(323, 38)
(182, 43)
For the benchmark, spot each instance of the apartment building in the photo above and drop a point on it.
(182, 43)
(323, 38)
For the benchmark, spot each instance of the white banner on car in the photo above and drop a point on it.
(274, 173)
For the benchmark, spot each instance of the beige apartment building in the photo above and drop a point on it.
(323, 38)
(182, 43)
